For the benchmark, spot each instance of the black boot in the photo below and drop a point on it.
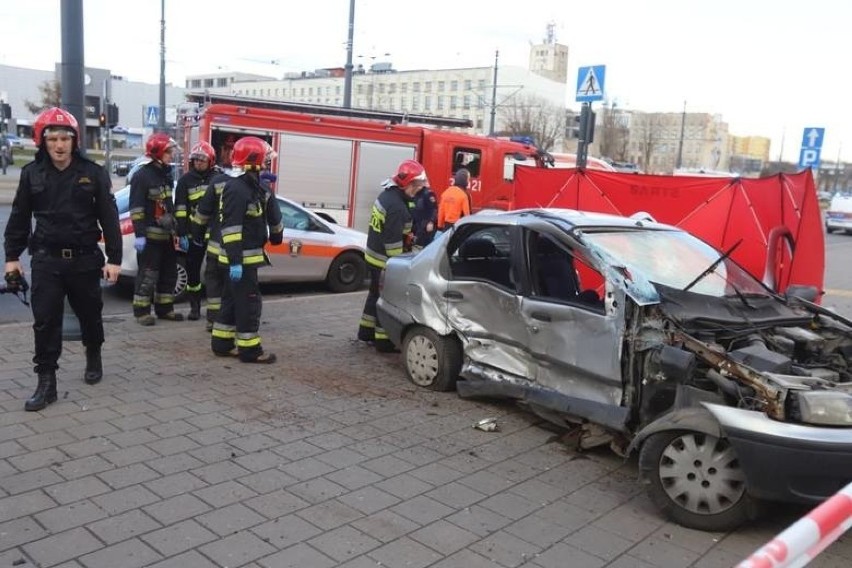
(194, 305)
(45, 392)
(94, 366)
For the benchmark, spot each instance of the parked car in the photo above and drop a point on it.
(16, 141)
(838, 216)
(641, 336)
(313, 250)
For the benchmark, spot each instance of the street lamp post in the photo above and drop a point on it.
(347, 81)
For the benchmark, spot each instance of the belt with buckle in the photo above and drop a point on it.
(67, 253)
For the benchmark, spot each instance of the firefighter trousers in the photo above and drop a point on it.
(214, 283)
(54, 279)
(156, 278)
(194, 259)
(369, 329)
(239, 319)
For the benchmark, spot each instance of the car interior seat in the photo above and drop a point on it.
(556, 275)
(479, 258)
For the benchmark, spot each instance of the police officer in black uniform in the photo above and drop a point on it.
(390, 234)
(189, 192)
(153, 214)
(247, 209)
(70, 198)
(425, 216)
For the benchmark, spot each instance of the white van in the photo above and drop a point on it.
(838, 216)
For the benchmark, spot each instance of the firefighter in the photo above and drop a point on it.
(389, 235)
(188, 193)
(247, 208)
(455, 202)
(71, 200)
(153, 214)
(204, 226)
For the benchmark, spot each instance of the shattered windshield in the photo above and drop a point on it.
(675, 259)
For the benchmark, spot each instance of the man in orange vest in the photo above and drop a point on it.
(455, 202)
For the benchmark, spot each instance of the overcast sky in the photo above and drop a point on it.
(770, 68)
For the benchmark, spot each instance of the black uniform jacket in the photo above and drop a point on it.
(72, 209)
(248, 208)
(189, 190)
(151, 207)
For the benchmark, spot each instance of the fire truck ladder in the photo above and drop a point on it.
(392, 117)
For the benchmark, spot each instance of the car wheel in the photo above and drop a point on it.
(696, 480)
(182, 279)
(347, 272)
(432, 361)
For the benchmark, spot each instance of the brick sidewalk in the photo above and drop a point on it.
(328, 458)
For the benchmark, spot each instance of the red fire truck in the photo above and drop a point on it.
(333, 160)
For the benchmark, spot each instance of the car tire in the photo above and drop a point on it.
(682, 467)
(347, 272)
(182, 279)
(431, 361)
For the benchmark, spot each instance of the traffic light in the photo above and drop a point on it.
(102, 120)
(587, 125)
(112, 115)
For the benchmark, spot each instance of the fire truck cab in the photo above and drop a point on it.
(334, 160)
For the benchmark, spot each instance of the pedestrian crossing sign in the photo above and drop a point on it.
(590, 83)
(152, 115)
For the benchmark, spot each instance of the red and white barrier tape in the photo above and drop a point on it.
(802, 541)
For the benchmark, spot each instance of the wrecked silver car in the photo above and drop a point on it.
(642, 337)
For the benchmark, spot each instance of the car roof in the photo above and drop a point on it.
(568, 218)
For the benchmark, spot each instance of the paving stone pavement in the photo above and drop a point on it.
(328, 458)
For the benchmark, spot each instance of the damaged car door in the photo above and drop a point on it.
(483, 304)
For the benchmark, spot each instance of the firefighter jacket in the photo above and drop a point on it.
(247, 208)
(151, 207)
(453, 206)
(189, 190)
(72, 209)
(205, 220)
(390, 226)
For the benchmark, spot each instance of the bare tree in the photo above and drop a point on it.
(614, 133)
(647, 134)
(51, 96)
(534, 116)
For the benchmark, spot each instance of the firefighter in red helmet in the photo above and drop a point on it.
(71, 201)
(189, 190)
(248, 210)
(389, 234)
(155, 225)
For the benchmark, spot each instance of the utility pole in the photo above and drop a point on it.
(72, 68)
(680, 144)
(347, 76)
(161, 120)
(494, 95)
(837, 170)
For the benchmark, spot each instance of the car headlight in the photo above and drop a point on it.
(828, 408)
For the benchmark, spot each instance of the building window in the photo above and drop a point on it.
(454, 102)
(427, 103)
(222, 82)
(208, 82)
(427, 86)
(359, 90)
(440, 101)
(337, 90)
(415, 103)
(454, 85)
(441, 86)
(468, 84)
(391, 88)
(481, 84)
(403, 87)
(466, 102)
(415, 86)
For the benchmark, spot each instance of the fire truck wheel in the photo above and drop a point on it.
(347, 272)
